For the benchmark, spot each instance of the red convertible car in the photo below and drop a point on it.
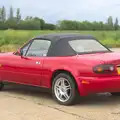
(69, 64)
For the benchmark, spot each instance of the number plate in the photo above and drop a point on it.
(118, 70)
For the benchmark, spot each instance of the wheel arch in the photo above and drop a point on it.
(57, 72)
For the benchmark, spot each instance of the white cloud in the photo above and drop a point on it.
(53, 10)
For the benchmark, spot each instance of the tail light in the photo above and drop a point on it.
(106, 68)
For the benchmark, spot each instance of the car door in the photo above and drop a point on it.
(27, 69)
(34, 58)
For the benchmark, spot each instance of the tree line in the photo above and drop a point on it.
(86, 25)
(11, 21)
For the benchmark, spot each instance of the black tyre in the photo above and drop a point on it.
(1, 86)
(116, 93)
(64, 89)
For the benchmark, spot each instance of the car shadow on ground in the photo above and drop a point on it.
(45, 94)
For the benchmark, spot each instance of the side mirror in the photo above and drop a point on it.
(19, 52)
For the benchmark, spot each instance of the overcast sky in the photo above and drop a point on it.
(54, 10)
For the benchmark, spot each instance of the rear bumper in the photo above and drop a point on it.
(90, 85)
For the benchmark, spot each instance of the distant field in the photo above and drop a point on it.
(10, 40)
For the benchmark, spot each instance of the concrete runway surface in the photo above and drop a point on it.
(18, 102)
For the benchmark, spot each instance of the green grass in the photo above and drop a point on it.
(10, 40)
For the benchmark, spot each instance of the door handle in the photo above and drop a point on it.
(38, 63)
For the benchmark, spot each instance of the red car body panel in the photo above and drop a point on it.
(24, 70)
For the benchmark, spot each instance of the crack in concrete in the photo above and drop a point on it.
(70, 113)
(117, 113)
(73, 114)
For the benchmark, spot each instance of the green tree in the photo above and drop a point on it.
(3, 14)
(68, 25)
(2, 18)
(40, 21)
(116, 25)
(29, 24)
(0, 14)
(11, 14)
(11, 21)
(49, 26)
(18, 16)
(28, 18)
(110, 23)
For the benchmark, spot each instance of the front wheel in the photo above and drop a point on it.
(64, 89)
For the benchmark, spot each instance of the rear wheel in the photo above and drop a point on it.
(116, 93)
(1, 86)
(64, 89)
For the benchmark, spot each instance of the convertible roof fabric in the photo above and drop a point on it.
(59, 43)
(56, 37)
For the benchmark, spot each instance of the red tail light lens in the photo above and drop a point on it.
(104, 69)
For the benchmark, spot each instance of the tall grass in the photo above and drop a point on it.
(10, 40)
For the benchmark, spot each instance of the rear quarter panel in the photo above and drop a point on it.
(77, 67)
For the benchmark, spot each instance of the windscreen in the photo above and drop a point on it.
(87, 46)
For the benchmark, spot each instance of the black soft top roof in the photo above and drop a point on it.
(57, 37)
(60, 43)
